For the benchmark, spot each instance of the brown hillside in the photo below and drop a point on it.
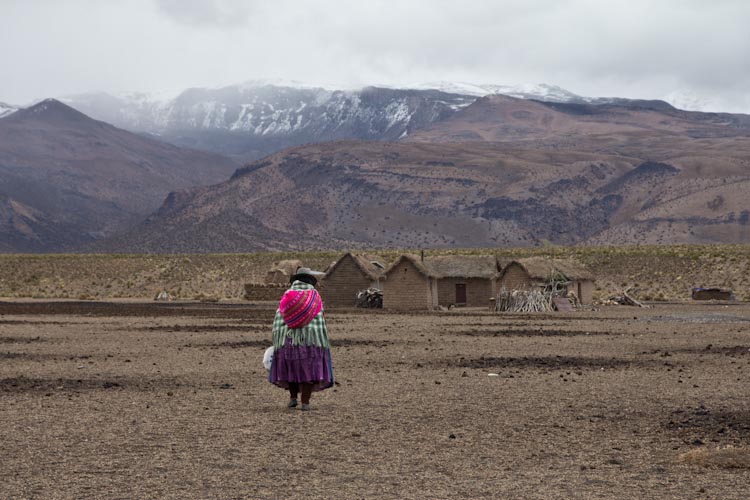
(67, 179)
(372, 194)
(366, 194)
(499, 118)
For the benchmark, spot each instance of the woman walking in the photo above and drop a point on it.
(302, 352)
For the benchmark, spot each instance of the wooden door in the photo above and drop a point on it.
(460, 293)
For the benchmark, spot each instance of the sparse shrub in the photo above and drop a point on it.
(723, 458)
(202, 297)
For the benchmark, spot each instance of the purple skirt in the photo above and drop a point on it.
(302, 364)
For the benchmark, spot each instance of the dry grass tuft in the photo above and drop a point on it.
(728, 457)
(654, 270)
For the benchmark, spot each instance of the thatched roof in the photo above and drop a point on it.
(502, 262)
(542, 268)
(370, 265)
(287, 266)
(452, 266)
(464, 266)
(416, 262)
(281, 271)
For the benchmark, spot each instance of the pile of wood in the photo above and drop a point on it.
(164, 296)
(535, 300)
(371, 298)
(626, 299)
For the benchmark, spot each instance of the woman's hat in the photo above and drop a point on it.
(305, 272)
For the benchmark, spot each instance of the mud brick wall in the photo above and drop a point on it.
(515, 278)
(478, 291)
(339, 289)
(406, 288)
(262, 291)
(584, 289)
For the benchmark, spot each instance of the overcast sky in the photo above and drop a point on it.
(630, 48)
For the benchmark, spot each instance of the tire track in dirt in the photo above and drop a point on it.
(264, 343)
(527, 333)
(549, 363)
(22, 384)
(238, 327)
(25, 356)
(262, 312)
(20, 340)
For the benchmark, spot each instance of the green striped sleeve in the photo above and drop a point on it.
(314, 333)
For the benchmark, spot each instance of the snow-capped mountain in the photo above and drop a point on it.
(537, 91)
(7, 109)
(689, 101)
(275, 107)
(256, 118)
(266, 110)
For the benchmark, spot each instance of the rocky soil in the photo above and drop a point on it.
(144, 400)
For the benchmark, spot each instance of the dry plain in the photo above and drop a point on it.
(146, 400)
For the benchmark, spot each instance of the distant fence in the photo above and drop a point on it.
(712, 294)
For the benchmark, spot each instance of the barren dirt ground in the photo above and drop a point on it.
(129, 400)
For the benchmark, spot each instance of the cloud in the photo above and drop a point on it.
(629, 48)
(208, 13)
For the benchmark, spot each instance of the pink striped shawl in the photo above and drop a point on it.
(299, 307)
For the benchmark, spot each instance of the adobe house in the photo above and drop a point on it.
(465, 280)
(347, 276)
(410, 285)
(524, 274)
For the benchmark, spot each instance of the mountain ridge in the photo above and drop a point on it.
(7, 109)
(612, 174)
(248, 122)
(251, 120)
